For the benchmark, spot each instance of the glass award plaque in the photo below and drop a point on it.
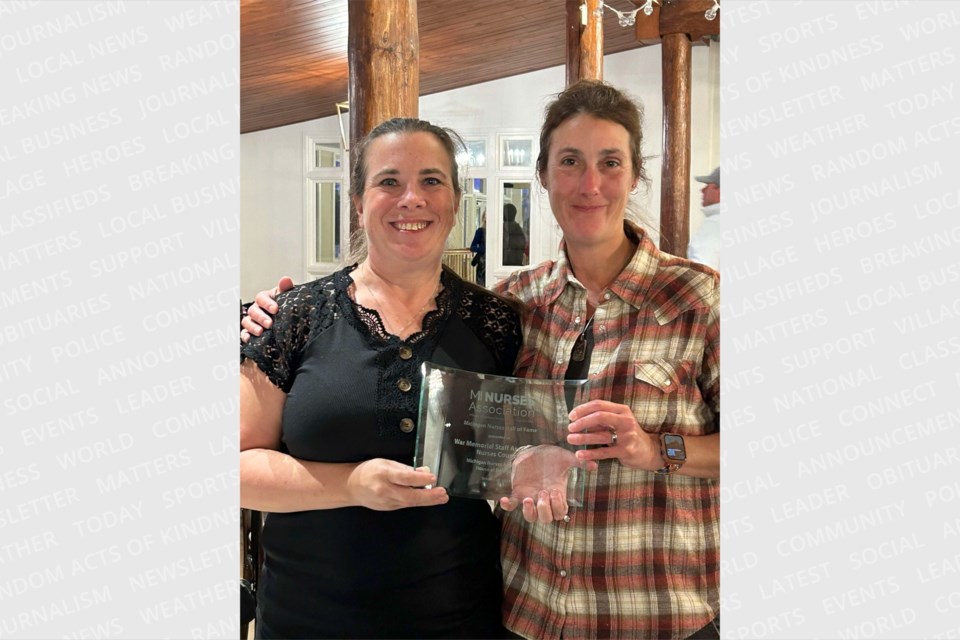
(488, 436)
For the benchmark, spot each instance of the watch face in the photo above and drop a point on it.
(673, 445)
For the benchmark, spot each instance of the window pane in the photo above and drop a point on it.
(473, 207)
(327, 244)
(517, 153)
(326, 155)
(477, 153)
(338, 245)
(516, 223)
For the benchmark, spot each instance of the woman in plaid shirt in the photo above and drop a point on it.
(641, 558)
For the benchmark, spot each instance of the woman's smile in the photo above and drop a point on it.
(410, 226)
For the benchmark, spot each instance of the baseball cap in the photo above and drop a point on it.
(713, 178)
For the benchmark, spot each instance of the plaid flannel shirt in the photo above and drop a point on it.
(641, 558)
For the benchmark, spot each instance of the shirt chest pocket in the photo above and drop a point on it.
(662, 392)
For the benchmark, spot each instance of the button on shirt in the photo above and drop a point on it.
(643, 561)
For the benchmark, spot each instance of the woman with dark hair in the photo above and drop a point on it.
(641, 558)
(354, 545)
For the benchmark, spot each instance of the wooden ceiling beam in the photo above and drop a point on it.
(687, 17)
(676, 16)
(647, 28)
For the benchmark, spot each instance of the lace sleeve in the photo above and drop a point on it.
(504, 324)
(277, 351)
(497, 322)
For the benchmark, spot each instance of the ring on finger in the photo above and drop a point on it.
(613, 438)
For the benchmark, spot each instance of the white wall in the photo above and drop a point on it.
(271, 210)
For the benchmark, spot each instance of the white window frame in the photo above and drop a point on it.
(539, 223)
(312, 177)
(469, 172)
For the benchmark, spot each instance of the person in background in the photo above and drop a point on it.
(641, 558)
(514, 239)
(479, 248)
(354, 545)
(704, 246)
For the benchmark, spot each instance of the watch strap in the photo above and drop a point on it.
(669, 466)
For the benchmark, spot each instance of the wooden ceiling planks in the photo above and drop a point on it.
(293, 54)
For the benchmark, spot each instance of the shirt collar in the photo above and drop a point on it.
(650, 278)
(629, 285)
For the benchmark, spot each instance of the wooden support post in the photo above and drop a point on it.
(574, 29)
(584, 43)
(591, 43)
(675, 173)
(384, 61)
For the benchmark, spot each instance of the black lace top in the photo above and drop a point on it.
(353, 394)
